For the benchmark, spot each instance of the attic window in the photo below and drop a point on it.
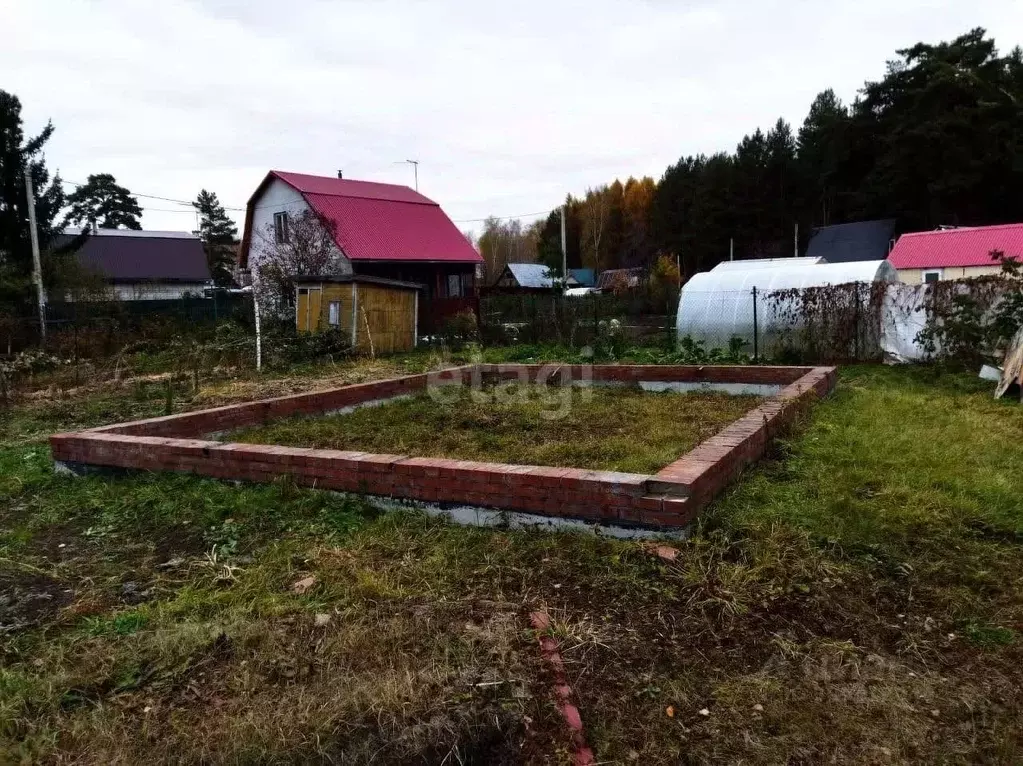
(281, 233)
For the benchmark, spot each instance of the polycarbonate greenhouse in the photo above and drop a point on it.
(733, 302)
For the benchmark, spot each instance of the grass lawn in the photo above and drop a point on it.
(858, 598)
(613, 429)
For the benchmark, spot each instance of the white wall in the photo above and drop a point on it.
(916, 276)
(148, 291)
(279, 197)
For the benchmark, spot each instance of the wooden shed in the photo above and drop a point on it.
(379, 314)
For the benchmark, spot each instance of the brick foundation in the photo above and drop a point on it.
(669, 499)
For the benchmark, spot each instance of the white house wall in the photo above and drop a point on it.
(279, 197)
(151, 291)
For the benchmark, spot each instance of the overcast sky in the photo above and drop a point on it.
(508, 106)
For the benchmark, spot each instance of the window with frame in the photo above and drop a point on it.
(281, 233)
(454, 286)
(334, 313)
(933, 275)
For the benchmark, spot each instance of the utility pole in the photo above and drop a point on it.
(564, 250)
(37, 269)
(731, 249)
(795, 241)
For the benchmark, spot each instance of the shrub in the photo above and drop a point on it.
(458, 330)
(971, 321)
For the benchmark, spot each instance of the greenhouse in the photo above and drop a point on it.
(755, 304)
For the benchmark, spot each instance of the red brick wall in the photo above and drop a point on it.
(669, 499)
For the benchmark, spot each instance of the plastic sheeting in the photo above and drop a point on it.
(715, 306)
(903, 316)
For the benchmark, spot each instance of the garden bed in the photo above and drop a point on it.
(606, 429)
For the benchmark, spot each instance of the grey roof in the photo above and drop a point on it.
(848, 242)
(361, 279)
(124, 256)
(534, 275)
(151, 233)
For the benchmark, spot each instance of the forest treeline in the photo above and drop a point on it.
(937, 141)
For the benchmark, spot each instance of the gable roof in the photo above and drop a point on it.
(532, 275)
(631, 277)
(374, 221)
(848, 242)
(139, 256)
(968, 246)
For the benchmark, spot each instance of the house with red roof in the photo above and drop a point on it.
(931, 256)
(380, 230)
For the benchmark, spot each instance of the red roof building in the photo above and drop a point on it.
(381, 230)
(929, 256)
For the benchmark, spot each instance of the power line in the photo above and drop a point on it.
(154, 196)
(505, 217)
(258, 207)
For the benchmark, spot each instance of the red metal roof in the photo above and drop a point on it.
(337, 187)
(957, 247)
(382, 222)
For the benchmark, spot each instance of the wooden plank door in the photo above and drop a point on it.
(313, 309)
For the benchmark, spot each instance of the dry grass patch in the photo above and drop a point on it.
(857, 599)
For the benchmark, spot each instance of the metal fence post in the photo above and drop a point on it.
(856, 325)
(756, 329)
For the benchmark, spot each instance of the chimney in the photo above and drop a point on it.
(340, 174)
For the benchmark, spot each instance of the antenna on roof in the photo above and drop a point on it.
(414, 164)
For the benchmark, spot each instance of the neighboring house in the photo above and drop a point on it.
(930, 256)
(848, 242)
(380, 230)
(142, 265)
(612, 279)
(530, 277)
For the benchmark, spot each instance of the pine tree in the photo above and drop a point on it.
(219, 236)
(945, 128)
(15, 244)
(103, 202)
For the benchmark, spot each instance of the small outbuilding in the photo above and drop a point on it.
(380, 315)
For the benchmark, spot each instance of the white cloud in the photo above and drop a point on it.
(508, 107)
